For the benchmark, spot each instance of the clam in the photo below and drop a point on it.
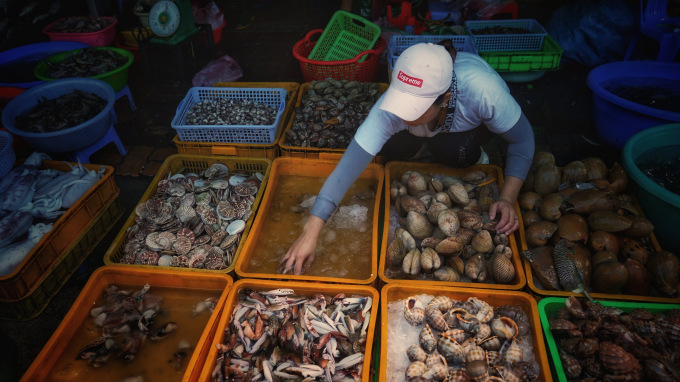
(482, 242)
(449, 246)
(448, 222)
(550, 207)
(436, 185)
(627, 208)
(447, 274)
(641, 227)
(600, 240)
(458, 194)
(411, 263)
(591, 200)
(638, 282)
(429, 260)
(501, 268)
(602, 257)
(457, 264)
(573, 227)
(538, 233)
(608, 222)
(529, 201)
(406, 237)
(609, 277)
(541, 158)
(530, 217)
(418, 225)
(475, 266)
(466, 235)
(485, 203)
(547, 179)
(397, 189)
(443, 198)
(415, 182)
(396, 252)
(618, 179)
(543, 266)
(409, 203)
(596, 168)
(501, 239)
(575, 172)
(430, 242)
(470, 220)
(435, 209)
(632, 249)
(405, 177)
(663, 268)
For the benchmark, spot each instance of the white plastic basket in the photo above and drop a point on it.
(507, 42)
(259, 134)
(399, 43)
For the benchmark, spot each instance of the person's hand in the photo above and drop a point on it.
(508, 221)
(303, 250)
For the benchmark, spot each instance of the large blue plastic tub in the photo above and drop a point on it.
(661, 206)
(616, 119)
(67, 140)
(28, 56)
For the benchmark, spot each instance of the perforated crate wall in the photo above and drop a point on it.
(264, 134)
(398, 44)
(345, 36)
(505, 42)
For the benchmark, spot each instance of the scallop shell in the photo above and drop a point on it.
(474, 177)
(151, 242)
(182, 245)
(482, 242)
(180, 262)
(418, 225)
(450, 246)
(501, 268)
(448, 222)
(458, 194)
(236, 227)
(218, 237)
(416, 353)
(202, 239)
(166, 240)
(229, 241)
(165, 261)
(225, 210)
(236, 180)
(435, 319)
(187, 234)
(615, 359)
(415, 182)
(426, 339)
(209, 216)
(149, 258)
(416, 369)
(470, 220)
(214, 264)
(203, 199)
(189, 199)
(429, 260)
(240, 209)
(447, 274)
(197, 261)
(245, 189)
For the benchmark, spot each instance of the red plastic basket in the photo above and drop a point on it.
(352, 70)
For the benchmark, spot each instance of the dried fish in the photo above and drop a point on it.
(86, 62)
(61, 113)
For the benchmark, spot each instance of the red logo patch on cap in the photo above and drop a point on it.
(417, 82)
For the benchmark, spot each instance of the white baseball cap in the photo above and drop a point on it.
(422, 73)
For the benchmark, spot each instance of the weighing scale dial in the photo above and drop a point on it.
(164, 18)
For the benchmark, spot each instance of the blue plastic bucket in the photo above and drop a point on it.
(660, 206)
(67, 140)
(30, 55)
(616, 119)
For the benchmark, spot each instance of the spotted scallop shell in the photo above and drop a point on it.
(229, 241)
(245, 189)
(165, 261)
(225, 210)
(185, 213)
(187, 234)
(218, 237)
(197, 261)
(209, 216)
(166, 240)
(182, 245)
(202, 239)
(128, 258)
(152, 242)
(236, 227)
(180, 262)
(149, 258)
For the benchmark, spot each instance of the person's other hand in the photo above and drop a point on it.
(508, 221)
(303, 250)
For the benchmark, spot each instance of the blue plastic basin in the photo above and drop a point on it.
(661, 206)
(616, 119)
(32, 54)
(67, 140)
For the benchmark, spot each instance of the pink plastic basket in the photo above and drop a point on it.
(104, 37)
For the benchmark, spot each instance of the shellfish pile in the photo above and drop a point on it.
(330, 113)
(86, 62)
(193, 221)
(586, 234)
(81, 24)
(475, 341)
(61, 113)
(599, 342)
(445, 233)
(278, 335)
(229, 111)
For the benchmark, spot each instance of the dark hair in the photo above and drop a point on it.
(439, 100)
(448, 45)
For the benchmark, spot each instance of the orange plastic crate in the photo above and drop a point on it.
(394, 170)
(196, 164)
(270, 151)
(597, 296)
(301, 288)
(315, 152)
(109, 275)
(67, 228)
(315, 168)
(396, 291)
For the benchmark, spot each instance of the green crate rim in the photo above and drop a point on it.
(550, 49)
(338, 41)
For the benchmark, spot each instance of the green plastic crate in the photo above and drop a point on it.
(548, 58)
(549, 307)
(345, 36)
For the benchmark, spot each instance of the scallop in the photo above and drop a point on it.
(235, 227)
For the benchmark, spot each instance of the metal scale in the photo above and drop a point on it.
(172, 21)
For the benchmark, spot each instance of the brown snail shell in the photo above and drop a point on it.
(627, 208)
(575, 171)
(547, 179)
(448, 222)
(550, 207)
(600, 240)
(501, 268)
(457, 264)
(415, 182)
(596, 168)
(602, 257)
(618, 179)
(638, 282)
(573, 227)
(541, 158)
(409, 203)
(450, 246)
(396, 252)
(482, 242)
(530, 217)
(538, 233)
(581, 258)
(632, 249)
(528, 184)
(418, 225)
(529, 201)
(663, 268)
(475, 267)
(591, 200)
(641, 227)
(609, 277)
(447, 274)
(543, 266)
(608, 221)
(566, 192)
